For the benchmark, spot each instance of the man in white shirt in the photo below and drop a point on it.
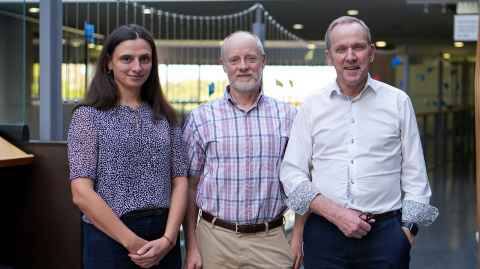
(354, 167)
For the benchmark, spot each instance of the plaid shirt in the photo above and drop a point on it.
(237, 156)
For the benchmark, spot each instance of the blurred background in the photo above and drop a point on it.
(48, 53)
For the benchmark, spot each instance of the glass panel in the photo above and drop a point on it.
(293, 84)
(12, 66)
(187, 86)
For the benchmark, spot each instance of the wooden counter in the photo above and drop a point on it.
(12, 156)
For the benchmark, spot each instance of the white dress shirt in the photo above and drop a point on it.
(363, 153)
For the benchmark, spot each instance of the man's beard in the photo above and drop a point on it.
(247, 86)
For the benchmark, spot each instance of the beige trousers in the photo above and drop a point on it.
(224, 249)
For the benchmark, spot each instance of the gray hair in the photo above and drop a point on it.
(257, 41)
(346, 20)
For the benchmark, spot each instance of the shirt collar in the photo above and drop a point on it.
(369, 85)
(228, 97)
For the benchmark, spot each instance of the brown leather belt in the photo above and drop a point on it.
(243, 228)
(382, 216)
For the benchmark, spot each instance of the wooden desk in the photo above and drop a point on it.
(12, 156)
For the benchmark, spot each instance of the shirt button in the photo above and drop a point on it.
(351, 161)
(353, 140)
(353, 120)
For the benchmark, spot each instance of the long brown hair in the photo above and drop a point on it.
(103, 91)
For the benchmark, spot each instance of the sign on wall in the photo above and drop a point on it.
(465, 28)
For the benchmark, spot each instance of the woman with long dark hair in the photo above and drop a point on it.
(126, 157)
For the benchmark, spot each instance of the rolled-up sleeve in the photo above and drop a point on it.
(195, 151)
(295, 169)
(82, 144)
(414, 179)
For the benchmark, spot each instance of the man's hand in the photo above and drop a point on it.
(296, 246)
(296, 243)
(193, 259)
(409, 235)
(351, 223)
(151, 253)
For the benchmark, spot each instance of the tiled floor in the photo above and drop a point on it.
(450, 241)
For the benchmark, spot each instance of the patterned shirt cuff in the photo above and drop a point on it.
(299, 200)
(419, 213)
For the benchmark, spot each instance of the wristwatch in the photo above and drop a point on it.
(411, 226)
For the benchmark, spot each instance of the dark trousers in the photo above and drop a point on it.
(102, 252)
(325, 246)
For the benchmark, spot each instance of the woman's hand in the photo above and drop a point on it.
(152, 252)
(135, 244)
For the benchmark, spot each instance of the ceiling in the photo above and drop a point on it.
(394, 21)
(388, 19)
(391, 20)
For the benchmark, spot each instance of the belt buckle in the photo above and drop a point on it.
(368, 216)
(213, 222)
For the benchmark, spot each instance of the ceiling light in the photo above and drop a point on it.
(311, 46)
(298, 26)
(381, 44)
(147, 11)
(458, 44)
(426, 8)
(34, 10)
(446, 56)
(91, 45)
(76, 43)
(352, 12)
(309, 55)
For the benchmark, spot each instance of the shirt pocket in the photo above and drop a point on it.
(215, 148)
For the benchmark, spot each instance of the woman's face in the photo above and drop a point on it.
(131, 64)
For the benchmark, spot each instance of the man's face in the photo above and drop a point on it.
(243, 63)
(351, 54)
